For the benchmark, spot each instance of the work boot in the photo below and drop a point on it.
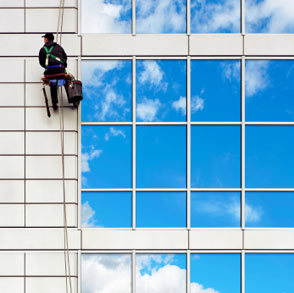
(55, 107)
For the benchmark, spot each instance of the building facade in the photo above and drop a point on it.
(178, 163)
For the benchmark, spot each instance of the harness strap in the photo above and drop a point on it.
(48, 54)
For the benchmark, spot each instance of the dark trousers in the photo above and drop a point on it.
(53, 91)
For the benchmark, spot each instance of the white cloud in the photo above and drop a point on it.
(148, 109)
(155, 16)
(279, 15)
(101, 17)
(87, 215)
(214, 17)
(197, 104)
(114, 132)
(252, 215)
(86, 157)
(180, 105)
(231, 70)
(152, 74)
(256, 77)
(109, 273)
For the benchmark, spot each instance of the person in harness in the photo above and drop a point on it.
(53, 58)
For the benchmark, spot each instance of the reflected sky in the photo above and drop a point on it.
(268, 16)
(217, 273)
(161, 94)
(107, 209)
(107, 89)
(270, 273)
(161, 273)
(106, 273)
(269, 157)
(215, 156)
(269, 90)
(161, 156)
(164, 16)
(106, 16)
(215, 16)
(272, 209)
(161, 209)
(106, 157)
(215, 209)
(220, 102)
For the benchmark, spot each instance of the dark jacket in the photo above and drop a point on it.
(57, 51)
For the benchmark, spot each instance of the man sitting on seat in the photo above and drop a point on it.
(54, 59)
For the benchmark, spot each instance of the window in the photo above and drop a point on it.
(161, 94)
(215, 156)
(215, 16)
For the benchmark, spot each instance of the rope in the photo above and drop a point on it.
(61, 128)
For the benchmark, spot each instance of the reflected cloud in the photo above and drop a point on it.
(86, 157)
(231, 70)
(87, 215)
(111, 16)
(269, 16)
(197, 104)
(164, 16)
(209, 16)
(148, 109)
(114, 132)
(180, 105)
(256, 77)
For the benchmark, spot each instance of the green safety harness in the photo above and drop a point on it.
(48, 55)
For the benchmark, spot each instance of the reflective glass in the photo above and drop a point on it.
(107, 209)
(161, 156)
(215, 156)
(109, 273)
(106, 157)
(267, 16)
(161, 209)
(107, 89)
(215, 90)
(161, 94)
(269, 157)
(269, 90)
(213, 273)
(269, 209)
(106, 16)
(270, 273)
(164, 16)
(215, 16)
(161, 273)
(215, 209)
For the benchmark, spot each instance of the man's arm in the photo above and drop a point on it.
(42, 57)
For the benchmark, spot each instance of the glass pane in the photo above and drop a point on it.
(107, 89)
(109, 273)
(220, 102)
(161, 94)
(270, 273)
(215, 16)
(106, 16)
(269, 90)
(161, 273)
(213, 273)
(269, 156)
(161, 156)
(107, 209)
(269, 209)
(215, 156)
(266, 16)
(154, 17)
(161, 209)
(106, 157)
(215, 209)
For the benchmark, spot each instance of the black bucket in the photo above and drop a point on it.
(75, 93)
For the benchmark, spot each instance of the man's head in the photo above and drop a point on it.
(48, 37)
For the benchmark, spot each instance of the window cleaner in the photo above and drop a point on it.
(54, 59)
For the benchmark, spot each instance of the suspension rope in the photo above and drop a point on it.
(61, 128)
